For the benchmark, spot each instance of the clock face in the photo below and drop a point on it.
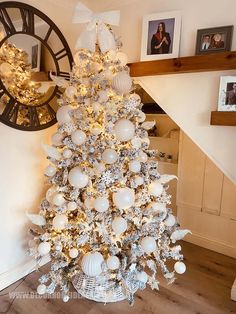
(31, 47)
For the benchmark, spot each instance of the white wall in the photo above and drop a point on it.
(21, 158)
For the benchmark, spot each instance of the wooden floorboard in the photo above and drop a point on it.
(203, 289)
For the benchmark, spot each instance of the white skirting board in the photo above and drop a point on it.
(9, 277)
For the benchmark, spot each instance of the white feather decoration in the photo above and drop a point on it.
(36, 219)
(148, 125)
(179, 235)
(59, 81)
(166, 178)
(51, 151)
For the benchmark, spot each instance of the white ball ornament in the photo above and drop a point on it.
(5, 69)
(100, 167)
(101, 204)
(111, 54)
(59, 222)
(58, 199)
(41, 289)
(155, 188)
(50, 193)
(109, 156)
(113, 262)
(71, 91)
(143, 156)
(180, 267)
(124, 130)
(136, 142)
(96, 106)
(139, 180)
(92, 264)
(67, 153)
(66, 298)
(122, 57)
(122, 82)
(119, 225)
(56, 139)
(88, 202)
(78, 137)
(50, 171)
(77, 178)
(135, 97)
(63, 115)
(103, 96)
(141, 116)
(142, 276)
(134, 166)
(44, 248)
(148, 244)
(96, 129)
(124, 198)
(73, 253)
(170, 220)
(71, 206)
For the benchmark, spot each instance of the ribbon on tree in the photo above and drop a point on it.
(96, 29)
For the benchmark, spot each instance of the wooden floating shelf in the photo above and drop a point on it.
(201, 63)
(223, 118)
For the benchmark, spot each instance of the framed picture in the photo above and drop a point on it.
(36, 57)
(161, 36)
(227, 94)
(217, 39)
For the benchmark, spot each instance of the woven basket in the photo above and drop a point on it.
(106, 292)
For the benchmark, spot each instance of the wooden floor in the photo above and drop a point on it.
(203, 289)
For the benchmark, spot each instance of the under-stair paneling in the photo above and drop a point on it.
(212, 189)
(206, 200)
(228, 203)
(191, 171)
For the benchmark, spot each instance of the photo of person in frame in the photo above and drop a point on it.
(230, 94)
(160, 36)
(206, 42)
(217, 41)
(34, 58)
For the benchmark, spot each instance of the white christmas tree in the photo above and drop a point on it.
(106, 220)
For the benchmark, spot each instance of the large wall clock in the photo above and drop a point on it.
(29, 29)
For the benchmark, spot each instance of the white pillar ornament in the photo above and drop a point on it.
(122, 82)
(92, 264)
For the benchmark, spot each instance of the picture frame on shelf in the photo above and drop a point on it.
(227, 94)
(161, 36)
(215, 39)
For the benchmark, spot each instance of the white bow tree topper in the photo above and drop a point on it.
(96, 29)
